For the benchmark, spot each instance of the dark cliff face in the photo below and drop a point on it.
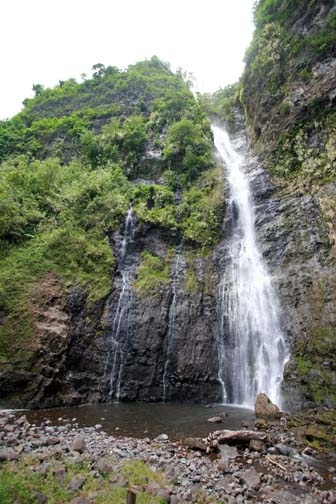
(167, 351)
(307, 287)
(298, 246)
(288, 93)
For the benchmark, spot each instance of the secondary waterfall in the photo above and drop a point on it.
(171, 326)
(120, 320)
(252, 350)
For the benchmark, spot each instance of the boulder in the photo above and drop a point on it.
(264, 408)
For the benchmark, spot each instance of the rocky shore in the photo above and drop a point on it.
(65, 463)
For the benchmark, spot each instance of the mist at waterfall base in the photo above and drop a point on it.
(251, 348)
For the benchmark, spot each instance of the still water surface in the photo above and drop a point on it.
(147, 419)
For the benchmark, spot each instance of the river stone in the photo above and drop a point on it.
(60, 474)
(285, 450)
(215, 419)
(257, 445)
(228, 452)
(7, 454)
(21, 420)
(251, 478)
(163, 495)
(79, 445)
(260, 423)
(104, 466)
(76, 483)
(40, 497)
(264, 407)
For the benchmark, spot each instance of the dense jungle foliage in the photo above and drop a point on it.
(75, 159)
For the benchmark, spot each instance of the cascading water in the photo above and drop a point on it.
(252, 350)
(171, 326)
(120, 321)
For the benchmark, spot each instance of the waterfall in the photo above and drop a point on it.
(252, 350)
(171, 326)
(120, 320)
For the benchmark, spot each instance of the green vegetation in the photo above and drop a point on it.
(73, 161)
(153, 272)
(23, 482)
(318, 428)
(201, 210)
(188, 148)
(315, 365)
(54, 218)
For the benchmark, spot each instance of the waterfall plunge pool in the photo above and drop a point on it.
(139, 420)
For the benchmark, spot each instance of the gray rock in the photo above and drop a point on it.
(60, 474)
(79, 500)
(40, 497)
(284, 449)
(104, 465)
(216, 419)
(79, 445)
(251, 478)
(258, 446)
(264, 407)
(76, 483)
(228, 452)
(21, 420)
(7, 454)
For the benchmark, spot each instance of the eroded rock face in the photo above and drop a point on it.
(62, 362)
(296, 235)
(167, 352)
(169, 346)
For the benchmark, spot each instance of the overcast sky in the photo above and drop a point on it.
(44, 41)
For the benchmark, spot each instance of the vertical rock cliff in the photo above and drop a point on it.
(288, 93)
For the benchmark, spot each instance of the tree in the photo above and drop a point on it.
(98, 70)
(38, 89)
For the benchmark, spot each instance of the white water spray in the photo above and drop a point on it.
(252, 350)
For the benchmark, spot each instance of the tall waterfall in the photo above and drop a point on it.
(251, 347)
(120, 320)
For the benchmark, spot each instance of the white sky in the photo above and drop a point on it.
(44, 41)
